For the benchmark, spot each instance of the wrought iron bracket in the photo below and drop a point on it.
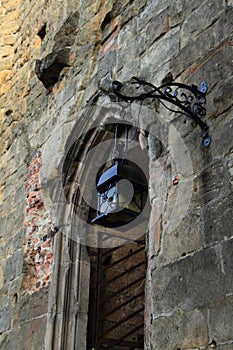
(189, 99)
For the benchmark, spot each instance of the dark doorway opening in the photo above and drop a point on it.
(117, 290)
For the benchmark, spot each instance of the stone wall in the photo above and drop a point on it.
(75, 48)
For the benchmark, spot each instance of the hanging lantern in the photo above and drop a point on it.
(122, 194)
(122, 187)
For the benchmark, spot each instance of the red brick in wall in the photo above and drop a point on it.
(39, 233)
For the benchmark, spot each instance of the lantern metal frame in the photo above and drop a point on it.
(121, 169)
(190, 100)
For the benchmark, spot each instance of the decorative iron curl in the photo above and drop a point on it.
(189, 99)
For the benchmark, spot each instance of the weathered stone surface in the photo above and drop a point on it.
(227, 257)
(186, 237)
(32, 307)
(32, 334)
(4, 75)
(215, 68)
(4, 294)
(10, 340)
(218, 219)
(11, 220)
(220, 321)
(154, 8)
(155, 227)
(179, 10)
(226, 346)
(220, 99)
(221, 135)
(181, 330)
(195, 51)
(161, 52)
(192, 282)
(7, 28)
(8, 40)
(211, 183)
(224, 26)
(200, 19)
(156, 27)
(9, 5)
(14, 265)
(5, 64)
(2, 265)
(5, 318)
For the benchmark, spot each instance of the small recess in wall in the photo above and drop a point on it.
(42, 32)
(107, 20)
(15, 298)
(176, 180)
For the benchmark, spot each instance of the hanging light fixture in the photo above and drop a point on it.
(122, 186)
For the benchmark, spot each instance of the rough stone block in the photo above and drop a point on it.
(5, 64)
(227, 256)
(226, 346)
(4, 75)
(4, 295)
(20, 193)
(130, 11)
(230, 167)
(32, 334)
(180, 9)
(11, 5)
(190, 53)
(157, 26)
(218, 219)
(192, 282)
(2, 268)
(155, 229)
(6, 87)
(10, 16)
(14, 221)
(67, 93)
(160, 52)
(2, 227)
(200, 19)
(221, 135)
(184, 239)
(180, 330)
(211, 183)
(220, 99)
(8, 40)
(220, 321)
(14, 265)
(8, 28)
(223, 27)
(152, 9)
(217, 66)
(18, 239)
(195, 51)
(5, 318)
(33, 306)
(9, 340)
(157, 180)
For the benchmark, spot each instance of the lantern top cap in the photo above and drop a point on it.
(121, 170)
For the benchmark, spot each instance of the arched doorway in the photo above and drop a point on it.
(119, 272)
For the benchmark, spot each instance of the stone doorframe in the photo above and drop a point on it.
(69, 289)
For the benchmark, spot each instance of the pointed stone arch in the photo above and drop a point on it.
(70, 286)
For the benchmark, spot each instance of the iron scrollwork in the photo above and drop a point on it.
(189, 99)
